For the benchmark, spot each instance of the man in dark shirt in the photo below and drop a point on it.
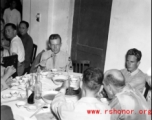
(27, 42)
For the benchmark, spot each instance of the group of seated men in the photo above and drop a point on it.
(123, 87)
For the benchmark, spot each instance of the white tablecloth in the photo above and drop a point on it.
(47, 85)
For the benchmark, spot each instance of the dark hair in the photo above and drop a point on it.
(54, 36)
(24, 22)
(12, 25)
(2, 20)
(110, 79)
(92, 78)
(134, 52)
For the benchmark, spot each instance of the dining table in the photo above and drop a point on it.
(17, 94)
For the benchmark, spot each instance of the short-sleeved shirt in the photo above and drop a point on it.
(12, 16)
(17, 47)
(136, 79)
(61, 59)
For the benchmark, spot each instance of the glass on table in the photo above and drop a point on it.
(75, 82)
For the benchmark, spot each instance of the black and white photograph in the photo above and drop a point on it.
(76, 60)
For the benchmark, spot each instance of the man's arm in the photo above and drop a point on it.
(59, 103)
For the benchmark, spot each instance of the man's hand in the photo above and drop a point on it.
(10, 70)
(66, 84)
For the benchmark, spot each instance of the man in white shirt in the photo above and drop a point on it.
(88, 107)
(54, 58)
(12, 15)
(16, 46)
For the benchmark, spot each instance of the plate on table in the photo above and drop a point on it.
(48, 96)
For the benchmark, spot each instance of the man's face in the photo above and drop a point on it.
(10, 32)
(13, 4)
(132, 63)
(23, 29)
(55, 45)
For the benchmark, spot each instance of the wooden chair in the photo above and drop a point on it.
(80, 65)
(33, 53)
(146, 90)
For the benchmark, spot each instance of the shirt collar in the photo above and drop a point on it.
(89, 99)
(134, 72)
(14, 38)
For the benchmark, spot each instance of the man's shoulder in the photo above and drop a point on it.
(7, 10)
(29, 38)
(123, 71)
(46, 53)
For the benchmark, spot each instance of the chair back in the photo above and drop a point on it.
(33, 53)
(80, 65)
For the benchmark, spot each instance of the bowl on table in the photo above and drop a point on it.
(6, 96)
(48, 96)
(58, 79)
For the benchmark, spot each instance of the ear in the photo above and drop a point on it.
(138, 63)
(15, 32)
(110, 89)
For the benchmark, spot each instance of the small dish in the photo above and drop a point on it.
(20, 103)
(31, 108)
(14, 84)
(5, 96)
(54, 70)
(14, 93)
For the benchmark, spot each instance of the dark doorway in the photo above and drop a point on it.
(90, 31)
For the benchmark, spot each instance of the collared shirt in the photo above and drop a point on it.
(28, 46)
(18, 48)
(132, 102)
(61, 59)
(136, 79)
(12, 16)
(79, 110)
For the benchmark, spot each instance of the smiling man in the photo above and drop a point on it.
(134, 76)
(54, 58)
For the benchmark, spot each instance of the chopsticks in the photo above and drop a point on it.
(38, 110)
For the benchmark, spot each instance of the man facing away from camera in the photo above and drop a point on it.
(91, 83)
(126, 103)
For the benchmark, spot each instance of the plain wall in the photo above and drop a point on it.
(56, 17)
(130, 27)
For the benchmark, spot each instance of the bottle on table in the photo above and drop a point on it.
(38, 88)
(30, 90)
(70, 66)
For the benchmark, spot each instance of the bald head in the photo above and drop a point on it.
(114, 77)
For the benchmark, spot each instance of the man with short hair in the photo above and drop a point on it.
(54, 58)
(12, 15)
(134, 76)
(27, 42)
(16, 46)
(126, 103)
(91, 83)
